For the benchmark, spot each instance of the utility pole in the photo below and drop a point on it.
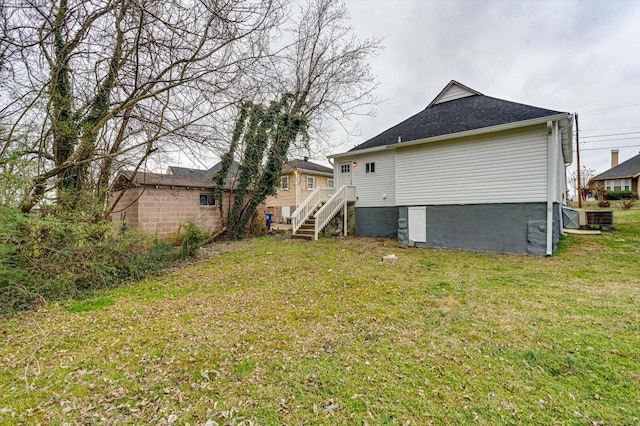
(578, 159)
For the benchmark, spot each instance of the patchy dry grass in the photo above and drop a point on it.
(289, 332)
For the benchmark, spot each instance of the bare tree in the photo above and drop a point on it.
(323, 74)
(585, 176)
(94, 85)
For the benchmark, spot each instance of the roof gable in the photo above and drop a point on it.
(453, 91)
(626, 169)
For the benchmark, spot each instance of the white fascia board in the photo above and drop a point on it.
(358, 152)
(483, 130)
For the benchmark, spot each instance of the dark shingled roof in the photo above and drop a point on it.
(206, 174)
(459, 115)
(158, 179)
(627, 169)
(308, 166)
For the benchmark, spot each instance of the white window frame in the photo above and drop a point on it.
(607, 185)
(312, 180)
(283, 186)
(345, 168)
(626, 186)
(330, 183)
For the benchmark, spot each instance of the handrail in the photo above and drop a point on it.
(332, 206)
(308, 206)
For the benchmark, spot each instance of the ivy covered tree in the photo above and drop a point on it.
(266, 132)
(89, 87)
(323, 75)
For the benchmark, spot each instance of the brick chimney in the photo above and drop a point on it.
(614, 158)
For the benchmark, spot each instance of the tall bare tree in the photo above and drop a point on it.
(323, 74)
(88, 86)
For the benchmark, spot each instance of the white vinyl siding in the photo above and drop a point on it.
(454, 92)
(504, 167)
(375, 189)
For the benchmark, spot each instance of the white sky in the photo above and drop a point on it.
(568, 56)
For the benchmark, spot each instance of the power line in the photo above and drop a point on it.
(612, 139)
(608, 147)
(610, 134)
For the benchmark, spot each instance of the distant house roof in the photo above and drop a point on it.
(467, 110)
(626, 169)
(307, 166)
(158, 179)
(200, 173)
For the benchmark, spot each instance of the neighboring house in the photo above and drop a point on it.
(160, 203)
(467, 172)
(620, 177)
(298, 179)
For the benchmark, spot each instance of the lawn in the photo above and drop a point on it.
(276, 331)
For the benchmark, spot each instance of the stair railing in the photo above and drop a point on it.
(333, 205)
(309, 205)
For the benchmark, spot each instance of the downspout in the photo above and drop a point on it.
(297, 179)
(552, 134)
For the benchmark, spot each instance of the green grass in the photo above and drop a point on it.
(289, 332)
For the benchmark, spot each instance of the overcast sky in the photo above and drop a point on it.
(567, 56)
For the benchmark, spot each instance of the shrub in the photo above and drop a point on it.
(618, 195)
(190, 238)
(258, 226)
(626, 204)
(50, 257)
(604, 203)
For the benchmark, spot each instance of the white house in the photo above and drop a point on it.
(467, 172)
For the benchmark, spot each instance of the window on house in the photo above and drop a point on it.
(370, 168)
(627, 184)
(311, 182)
(284, 183)
(607, 185)
(207, 200)
(329, 183)
(616, 185)
(345, 168)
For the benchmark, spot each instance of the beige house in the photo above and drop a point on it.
(159, 203)
(299, 179)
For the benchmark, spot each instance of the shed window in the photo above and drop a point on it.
(345, 168)
(207, 200)
(370, 168)
(284, 183)
(311, 182)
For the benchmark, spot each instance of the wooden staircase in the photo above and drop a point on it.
(319, 208)
(308, 228)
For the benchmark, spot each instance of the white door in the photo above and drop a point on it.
(417, 224)
(344, 174)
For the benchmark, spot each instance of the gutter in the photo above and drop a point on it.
(552, 136)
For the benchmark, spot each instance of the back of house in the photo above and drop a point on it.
(468, 172)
